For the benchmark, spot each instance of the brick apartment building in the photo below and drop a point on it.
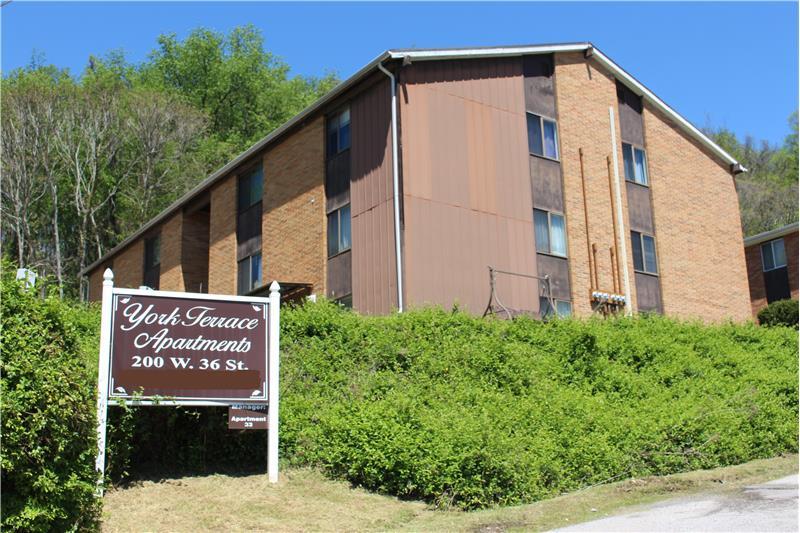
(405, 183)
(772, 266)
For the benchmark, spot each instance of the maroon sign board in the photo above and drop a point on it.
(175, 348)
(182, 348)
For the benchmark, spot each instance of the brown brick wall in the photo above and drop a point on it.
(695, 208)
(698, 232)
(128, 266)
(96, 282)
(293, 223)
(171, 278)
(584, 93)
(222, 238)
(755, 272)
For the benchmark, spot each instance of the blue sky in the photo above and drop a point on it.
(721, 64)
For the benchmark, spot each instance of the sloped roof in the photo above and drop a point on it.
(429, 54)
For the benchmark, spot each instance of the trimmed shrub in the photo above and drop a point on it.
(467, 412)
(780, 313)
(48, 414)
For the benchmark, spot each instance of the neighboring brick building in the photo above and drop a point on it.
(772, 266)
(549, 163)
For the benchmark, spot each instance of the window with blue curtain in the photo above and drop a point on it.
(339, 239)
(644, 253)
(542, 136)
(550, 232)
(635, 164)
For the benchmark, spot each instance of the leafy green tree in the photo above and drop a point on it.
(245, 91)
(768, 192)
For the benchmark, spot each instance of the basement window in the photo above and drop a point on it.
(346, 301)
(644, 253)
(542, 136)
(249, 276)
(773, 255)
(562, 309)
(338, 132)
(339, 231)
(635, 163)
(550, 233)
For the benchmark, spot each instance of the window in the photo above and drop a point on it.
(773, 255)
(251, 188)
(563, 308)
(339, 231)
(152, 262)
(338, 132)
(542, 136)
(644, 253)
(249, 273)
(346, 301)
(551, 233)
(635, 164)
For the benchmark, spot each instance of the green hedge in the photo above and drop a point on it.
(469, 412)
(48, 413)
(780, 313)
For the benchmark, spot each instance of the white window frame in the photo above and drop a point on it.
(771, 245)
(252, 285)
(338, 213)
(554, 312)
(550, 233)
(644, 270)
(639, 180)
(542, 120)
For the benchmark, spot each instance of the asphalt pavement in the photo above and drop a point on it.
(769, 507)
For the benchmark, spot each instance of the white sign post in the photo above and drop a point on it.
(272, 386)
(135, 355)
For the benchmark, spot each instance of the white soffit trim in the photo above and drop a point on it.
(771, 234)
(500, 51)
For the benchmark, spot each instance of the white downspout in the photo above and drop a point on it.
(620, 218)
(395, 190)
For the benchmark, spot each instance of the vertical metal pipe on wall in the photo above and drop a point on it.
(395, 190)
(620, 218)
(592, 260)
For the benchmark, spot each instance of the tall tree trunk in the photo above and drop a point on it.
(57, 239)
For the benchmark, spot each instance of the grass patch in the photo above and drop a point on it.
(305, 500)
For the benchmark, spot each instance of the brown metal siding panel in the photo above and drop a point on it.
(339, 282)
(546, 184)
(640, 211)
(466, 184)
(558, 270)
(630, 116)
(337, 181)
(648, 293)
(539, 92)
(373, 276)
